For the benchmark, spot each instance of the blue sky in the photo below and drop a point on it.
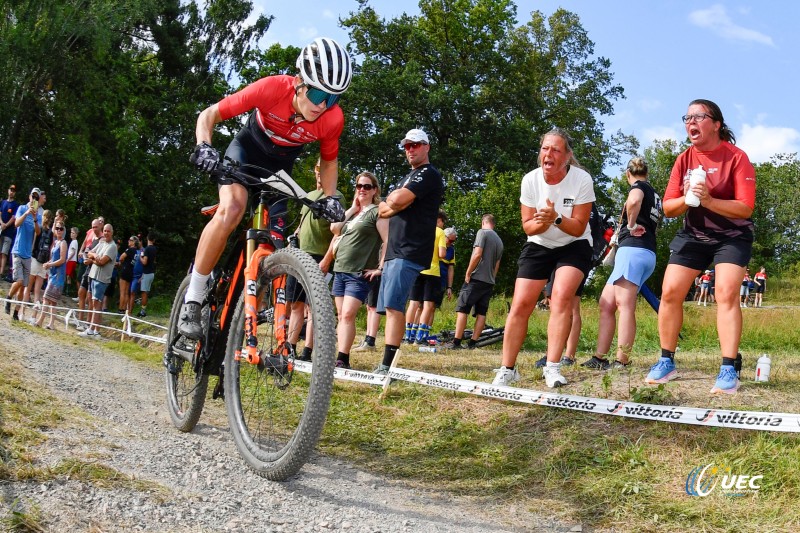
(743, 56)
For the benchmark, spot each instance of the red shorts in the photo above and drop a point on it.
(71, 266)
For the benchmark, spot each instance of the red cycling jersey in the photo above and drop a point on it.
(272, 97)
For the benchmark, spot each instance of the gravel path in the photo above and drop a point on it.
(204, 485)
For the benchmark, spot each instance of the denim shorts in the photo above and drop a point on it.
(98, 289)
(354, 285)
(398, 277)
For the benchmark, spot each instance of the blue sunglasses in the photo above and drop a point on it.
(317, 96)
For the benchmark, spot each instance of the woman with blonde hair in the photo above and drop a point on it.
(555, 205)
(359, 248)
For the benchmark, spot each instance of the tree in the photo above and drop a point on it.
(484, 90)
(102, 101)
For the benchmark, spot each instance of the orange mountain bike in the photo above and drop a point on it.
(276, 412)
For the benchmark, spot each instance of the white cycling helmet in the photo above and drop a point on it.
(324, 64)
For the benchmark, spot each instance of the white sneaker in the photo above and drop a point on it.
(364, 347)
(31, 321)
(87, 333)
(553, 377)
(506, 376)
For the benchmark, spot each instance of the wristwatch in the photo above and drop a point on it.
(558, 220)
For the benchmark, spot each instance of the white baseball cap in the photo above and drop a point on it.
(415, 136)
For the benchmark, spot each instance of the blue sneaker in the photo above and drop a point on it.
(662, 372)
(727, 381)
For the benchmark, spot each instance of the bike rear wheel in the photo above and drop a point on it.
(277, 415)
(186, 390)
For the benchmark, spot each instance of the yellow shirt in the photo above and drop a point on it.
(440, 240)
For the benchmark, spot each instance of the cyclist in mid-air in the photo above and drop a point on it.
(287, 113)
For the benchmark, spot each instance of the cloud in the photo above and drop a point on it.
(661, 133)
(649, 104)
(762, 142)
(328, 14)
(717, 20)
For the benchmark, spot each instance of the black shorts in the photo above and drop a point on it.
(85, 279)
(374, 289)
(548, 288)
(474, 294)
(538, 262)
(294, 291)
(426, 289)
(691, 253)
(760, 289)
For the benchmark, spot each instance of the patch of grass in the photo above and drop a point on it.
(22, 519)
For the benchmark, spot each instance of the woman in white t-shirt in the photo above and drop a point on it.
(556, 202)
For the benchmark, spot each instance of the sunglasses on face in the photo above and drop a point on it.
(317, 96)
(365, 186)
(409, 146)
(59, 229)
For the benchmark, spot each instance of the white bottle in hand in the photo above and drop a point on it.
(698, 176)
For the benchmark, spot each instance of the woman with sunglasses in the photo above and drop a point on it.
(56, 268)
(286, 113)
(359, 256)
(719, 231)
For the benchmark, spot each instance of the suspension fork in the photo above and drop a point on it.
(259, 247)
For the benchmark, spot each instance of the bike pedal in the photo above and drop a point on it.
(170, 365)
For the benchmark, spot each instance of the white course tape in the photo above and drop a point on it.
(758, 420)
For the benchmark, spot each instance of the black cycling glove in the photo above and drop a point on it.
(205, 157)
(331, 209)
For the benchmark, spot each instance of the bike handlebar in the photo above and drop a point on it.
(279, 183)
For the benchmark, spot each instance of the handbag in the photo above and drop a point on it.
(611, 256)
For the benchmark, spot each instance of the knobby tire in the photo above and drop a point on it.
(186, 391)
(275, 417)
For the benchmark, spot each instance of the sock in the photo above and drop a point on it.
(422, 332)
(294, 348)
(307, 351)
(344, 357)
(409, 330)
(414, 329)
(728, 361)
(196, 291)
(370, 340)
(553, 365)
(388, 354)
(667, 353)
(470, 343)
(457, 341)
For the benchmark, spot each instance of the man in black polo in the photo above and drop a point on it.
(412, 209)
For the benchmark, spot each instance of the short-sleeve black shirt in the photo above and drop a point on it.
(412, 231)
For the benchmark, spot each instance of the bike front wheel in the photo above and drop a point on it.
(186, 390)
(276, 414)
